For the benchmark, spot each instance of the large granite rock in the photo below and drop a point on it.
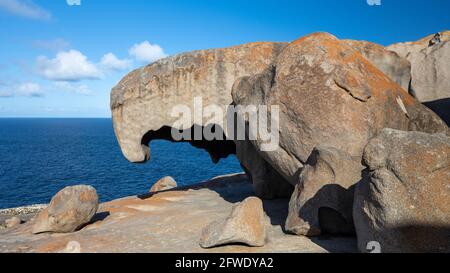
(329, 95)
(142, 102)
(69, 210)
(404, 204)
(328, 92)
(430, 69)
(323, 199)
(390, 63)
(245, 225)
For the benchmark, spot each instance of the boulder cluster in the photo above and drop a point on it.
(359, 151)
(74, 207)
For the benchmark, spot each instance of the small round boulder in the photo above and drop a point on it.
(164, 184)
(69, 210)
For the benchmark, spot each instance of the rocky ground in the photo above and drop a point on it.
(170, 221)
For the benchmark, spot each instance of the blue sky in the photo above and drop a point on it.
(61, 60)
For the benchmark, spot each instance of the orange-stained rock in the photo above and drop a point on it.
(329, 95)
(404, 204)
(69, 210)
(164, 184)
(390, 63)
(245, 225)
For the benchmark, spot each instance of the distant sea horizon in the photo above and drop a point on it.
(41, 155)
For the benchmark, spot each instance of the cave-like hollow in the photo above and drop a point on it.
(217, 149)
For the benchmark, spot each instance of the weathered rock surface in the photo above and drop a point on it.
(13, 222)
(390, 63)
(323, 198)
(246, 225)
(329, 95)
(404, 203)
(430, 69)
(69, 210)
(307, 78)
(143, 100)
(164, 184)
(267, 182)
(170, 222)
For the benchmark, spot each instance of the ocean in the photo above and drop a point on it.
(39, 157)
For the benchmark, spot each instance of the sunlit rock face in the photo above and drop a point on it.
(143, 100)
(430, 69)
(330, 92)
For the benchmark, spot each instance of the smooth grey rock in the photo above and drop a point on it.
(245, 225)
(323, 198)
(69, 210)
(164, 184)
(403, 205)
(430, 69)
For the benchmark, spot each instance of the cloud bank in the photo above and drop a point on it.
(26, 89)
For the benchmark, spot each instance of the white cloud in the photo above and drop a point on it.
(26, 89)
(5, 94)
(57, 44)
(69, 65)
(147, 52)
(110, 61)
(29, 89)
(81, 89)
(25, 9)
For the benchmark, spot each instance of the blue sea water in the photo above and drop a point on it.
(38, 157)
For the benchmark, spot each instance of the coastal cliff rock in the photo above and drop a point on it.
(390, 63)
(326, 187)
(404, 203)
(69, 210)
(246, 225)
(430, 69)
(164, 184)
